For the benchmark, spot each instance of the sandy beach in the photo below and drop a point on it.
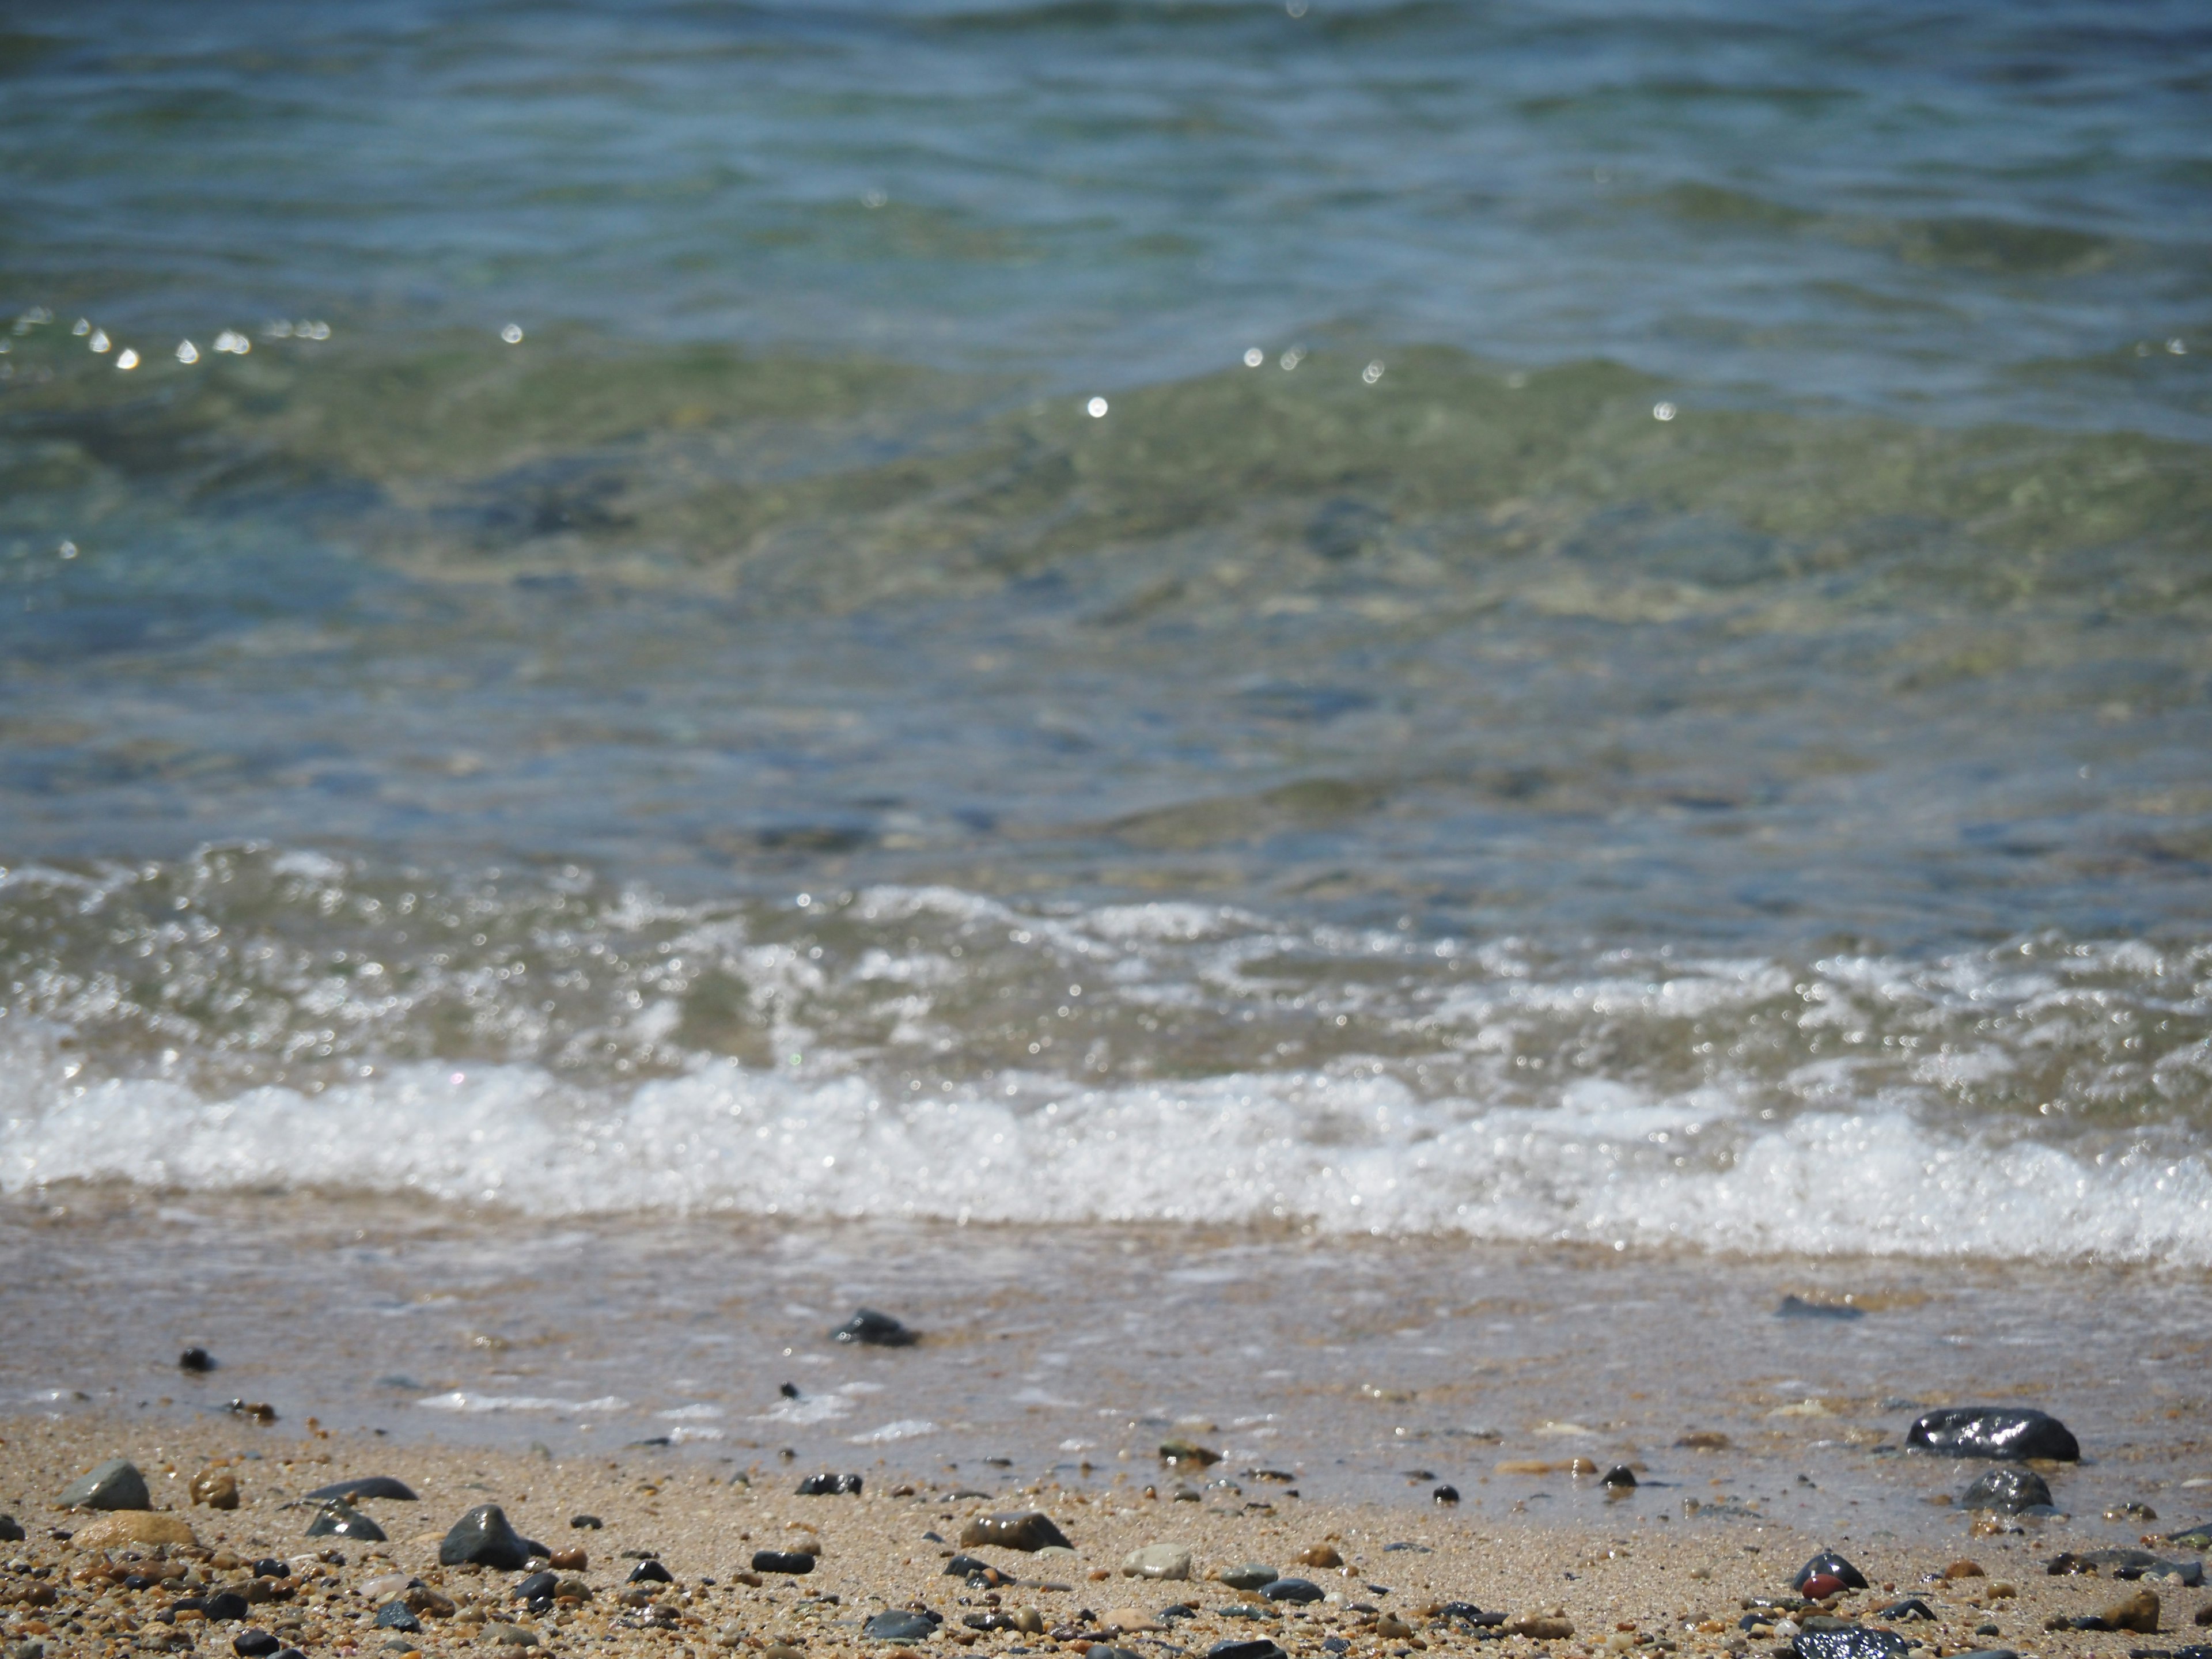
(1676, 1584)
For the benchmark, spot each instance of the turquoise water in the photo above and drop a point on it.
(1555, 622)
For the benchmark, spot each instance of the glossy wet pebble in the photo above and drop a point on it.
(1022, 1529)
(1827, 1563)
(1999, 1432)
(2008, 1490)
(1249, 1576)
(895, 1625)
(115, 1484)
(875, 1330)
(254, 1644)
(483, 1537)
(649, 1572)
(339, 1519)
(1299, 1590)
(830, 1485)
(781, 1561)
(396, 1615)
(1849, 1641)
(367, 1485)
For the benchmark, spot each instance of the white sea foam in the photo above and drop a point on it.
(1603, 1162)
(459, 1401)
(905, 1429)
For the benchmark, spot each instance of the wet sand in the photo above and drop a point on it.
(1639, 1582)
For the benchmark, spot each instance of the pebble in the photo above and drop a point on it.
(2138, 1613)
(2198, 1537)
(529, 1589)
(649, 1572)
(895, 1625)
(368, 1486)
(781, 1561)
(1993, 1431)
(1910, 1606)
(512, 1635)
(254, 1644)
(1545, 1627)
(198, 1361)
(875, 1330)
(585, 1523)
(1022, 1529)
(1174, 1452)
(2008, 1490)
(216, 1488)
(1107, 1650)
(1796, 1307)
(1620, 1476)
(1129, 1621)
(1155, 1561)
(1320, 1555)
(1292, 1590)
(483, 1537)
(1249, 1576)
(830, 1485)
(2126, 1563)
(1851, 1642)
(339, 1519)
(1828, 1563)
(115, 1484)
(396, 1615)
(133, 1527)
(1444, 1495)
(11, 1530)
(1254, 1647)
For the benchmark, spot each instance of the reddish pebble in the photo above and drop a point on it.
(569, 1561)
(1820, 1586)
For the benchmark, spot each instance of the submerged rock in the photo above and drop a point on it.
(1025, 1529)
(368, 1485)
(339, 1519)
(875, 1330)
(1829, 1565)
(1796, 1307)
(2001, 1431)
(1620, 1476)
(198, 1361)
(483, 1538)
(115, 1484)
(2006, 1490)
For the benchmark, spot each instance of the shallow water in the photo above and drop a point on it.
(1622, 662)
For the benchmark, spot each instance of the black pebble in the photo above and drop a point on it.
(1829, 1562)
(1292, 1590)
(649, 1572)
(1329, 1644)
(254, 1644)
(199, 1362)
(1993, 1431)
(896, 1625)
(483, 1537)
(1255, 1647)
(2006, 1490)
(1855, 1642)
(1796, 1307)
(1445, 1495)
(1911, 1608)
(225, 1604)
(396, 1615)
(269, 1567)
(961, 1566)
(778, 1561)
(538, 1584)
(11, 1530)
(1620, 1476)
(874, 1330)
(339, 1519)
(369, 1485)
(585, 1523)
(789, 1390)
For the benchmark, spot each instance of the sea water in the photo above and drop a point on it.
(1373, 637)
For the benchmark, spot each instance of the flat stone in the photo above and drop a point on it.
(1544, 1627)
(2008, 1490)
(1998, 1432)
(339, 1519)
(396, 1615)
(367, 1485)
(875, 1330)
(133, 1527)
(896, 1625)
(483, 1538)
(1853, 1642)
(1796, 1307)
(1025, 1529)
(1249, 1576)
(1293, 1589)
(115, 1484)
(254, 1644)
(1157, 1561)
(1831, 1564)
(782, 1561)
(1251, 1647)
(1129, 1621)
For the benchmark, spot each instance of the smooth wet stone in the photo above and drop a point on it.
(963, 1567)
(2198, 1537)
(396, 1615)
(1251, 1576)
(2126, 1563)
(530, 1589)
(1157, 1561)
(1254, 1647)
(1620, 1476)
(1910, 1606)
(585, 1523)
(1446, 1495)
(1822, 1585)
(197, 1361)
(1796, 1307)
(367, 1485)
(649, 1572)
(895, 1625)
(781, 1561)
(1176, 1453)
(1293, 1589)
(830, 1485)
(511, 1635)
(1832, 1565)
(254, 1644)
(483, 1538)
(225, 1606)
(1022, 1529)
(115, 1484)
(1852, 1641)
(2008, 1490)
(339, 1519)
(1320, 1555)
(1999, 1432)
(11, 1530)
(129, 1527)
(875, 1330)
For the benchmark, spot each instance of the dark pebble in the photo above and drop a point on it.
(2126, 1563)
(199, 1362)
(1851, 1642)
(875, 1330)
(269, 1567)
(1025, 1529)
(1335, 1644)
(1796, 1307)
(1175, 1453)
(1251, 1577)
(1254, 1647)
(896, 1625)
(483, 1538)
(778, 1561)
(2198, 1537)
(788, 1390)
(1993, 1431)
(225, 1604)
(1620, 1476)
(540, 1584)
(1911, 1608)
(649, 1572)
(11, 1530)
(339, 1519)
(115, 1484)
(1107, 1650)
(1834, 1565)
(1468, 1613)
(960, 1566)
(369, 1485)
(989, 1622)
(1292, 1590)
(2008, 1490)
(1444, 1495)
(830, 1485)
(395, 1615)
(585, 1523)
(254, 1644)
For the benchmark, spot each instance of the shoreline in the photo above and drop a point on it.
(1633, 1585)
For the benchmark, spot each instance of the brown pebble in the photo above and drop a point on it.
(133, 1527)
(216, 1488)
(2138, 1613)
(1392, 1626)
(781, 1650)
(1703, 1440)
(2204, 1614)
(1127, 1619)
(569, 1561)
(1543, 1629)
(1320, 1555)
(1964, 1570)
